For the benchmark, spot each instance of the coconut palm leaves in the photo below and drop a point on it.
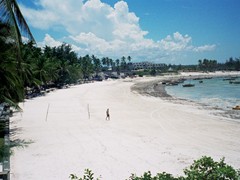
(11, 87)
(11, 15)
(12, 28)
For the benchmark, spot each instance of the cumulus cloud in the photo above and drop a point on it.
(204, 48)
(177, 42)
(94, 27)
(49, 41)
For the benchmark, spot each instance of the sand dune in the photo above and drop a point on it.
(144, 133)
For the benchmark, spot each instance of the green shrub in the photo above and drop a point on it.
(4, 150)
(88, 175)
(159, 176)
(203, 169)
(207, 168)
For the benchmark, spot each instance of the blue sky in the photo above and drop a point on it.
(161, 31)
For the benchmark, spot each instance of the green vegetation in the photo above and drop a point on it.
(88, 175)
(213, 65)
(4, 150)
(205, 168)
(25, 65)
(47, 67)
(12, 27)
(35, 68)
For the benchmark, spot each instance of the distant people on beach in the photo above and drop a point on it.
(107, 115)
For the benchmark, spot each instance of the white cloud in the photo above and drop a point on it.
(95, 27)
(40, 19)
(49, 41)
(176, 43)
(92, 42)
(25, 39)
(205, 48)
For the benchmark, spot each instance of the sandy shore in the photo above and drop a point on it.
(66, 132)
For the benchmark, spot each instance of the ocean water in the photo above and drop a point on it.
(214, 92)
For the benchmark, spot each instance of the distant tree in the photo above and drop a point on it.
(118, 66)
(86, 66)
(129, 59)
(110, 62)
(113, 64)
(104, 61)
(107, 62)
(153, 72)
(96, 64)
(237, 66)
(230, 64)
(200, 64)
(123, 63)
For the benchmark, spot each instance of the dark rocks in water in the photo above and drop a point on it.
(188, 85)
(173, 82)
(154, 88)
(234, 82)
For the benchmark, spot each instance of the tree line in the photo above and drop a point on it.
(48, 67)
(58, 66)
(212, 65)
(205, 65)
(26, 65)
(61, 65)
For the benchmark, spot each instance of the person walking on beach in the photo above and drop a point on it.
(108, 115)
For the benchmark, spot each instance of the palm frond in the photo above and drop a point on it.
(10, 14)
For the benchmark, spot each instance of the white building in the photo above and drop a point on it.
(146, 65)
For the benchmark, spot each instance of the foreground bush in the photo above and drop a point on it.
(206, 168)
(203, 169)
(88, 175)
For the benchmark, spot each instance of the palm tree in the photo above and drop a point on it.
(129, 59)
(97, 64)
(11, 15)
(118, 66)
(86, 66)
(104, 61)
(11, 90)
(15, 27)
(107, 62)
(123, 63)
(129, 65)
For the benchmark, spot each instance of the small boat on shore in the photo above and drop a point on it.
(236, 108)
(188, 85)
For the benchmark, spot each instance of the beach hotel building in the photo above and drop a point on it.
(146, 65)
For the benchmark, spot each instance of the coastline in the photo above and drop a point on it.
(144, 133)
(152, 88)
(156, 88)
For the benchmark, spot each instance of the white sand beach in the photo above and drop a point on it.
(66, 132)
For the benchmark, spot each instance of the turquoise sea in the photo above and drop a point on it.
(215, 92)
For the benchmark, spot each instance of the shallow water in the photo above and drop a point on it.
(214, 92)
